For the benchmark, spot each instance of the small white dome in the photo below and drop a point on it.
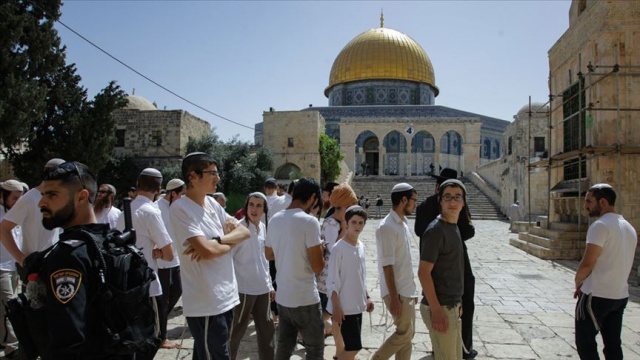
(537, 108)
(136, 102)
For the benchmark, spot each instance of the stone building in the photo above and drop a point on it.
(155, 137)
(595, 84)
(526, 142)
(382, 111)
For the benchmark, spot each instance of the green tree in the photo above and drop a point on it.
(330, 158)
(44, 112)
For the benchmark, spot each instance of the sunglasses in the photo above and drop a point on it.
(68, 167)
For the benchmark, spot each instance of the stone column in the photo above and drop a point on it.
(436, 156)
(408, 162)
(381, 155)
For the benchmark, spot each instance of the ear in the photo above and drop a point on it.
(83, 195)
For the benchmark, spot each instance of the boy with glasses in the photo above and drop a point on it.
(441, 274)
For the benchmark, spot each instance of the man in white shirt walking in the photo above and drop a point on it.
(293, 241)
(397, 287)
(105, 212)
(601, 279)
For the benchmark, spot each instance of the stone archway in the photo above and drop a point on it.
(451, 150)
(394, 162)
(422, 153)
(367, 157)
(288, 171)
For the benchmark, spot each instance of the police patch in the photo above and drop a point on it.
(65, 284)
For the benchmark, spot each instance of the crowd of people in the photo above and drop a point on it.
(290, 261)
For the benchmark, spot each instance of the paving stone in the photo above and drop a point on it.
(516, 317)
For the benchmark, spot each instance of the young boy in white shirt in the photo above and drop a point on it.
(347, 283)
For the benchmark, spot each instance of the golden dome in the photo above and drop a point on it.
(382, 53)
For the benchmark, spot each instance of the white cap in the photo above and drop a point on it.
(151, 172)
(12, 185)
(401, 187)
(25, 186)
(53, 163)
(174, 184)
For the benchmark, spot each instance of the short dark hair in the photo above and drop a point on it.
(396, 197)
(604, 191)
(304, 188)
(196, 162)
(355, 210)
(76, 174)
(149, 183)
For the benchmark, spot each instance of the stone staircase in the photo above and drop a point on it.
(561, 241)
(370, 186)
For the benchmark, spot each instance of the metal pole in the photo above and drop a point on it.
(528, 168)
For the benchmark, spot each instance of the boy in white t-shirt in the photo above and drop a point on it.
(347, 283)
(205, 234)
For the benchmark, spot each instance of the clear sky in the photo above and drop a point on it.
(239, 58)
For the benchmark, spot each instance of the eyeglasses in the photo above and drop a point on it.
(456, 198)
(212, 172)
(414, 199)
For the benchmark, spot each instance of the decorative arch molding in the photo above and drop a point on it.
(288, 171)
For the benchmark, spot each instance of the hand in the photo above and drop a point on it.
(338, 315)
(272, 296)
(230, 225)
(577, 292)
(395, 306)
(194, 255)
(439, 319)
(156, 254)
(369, 305)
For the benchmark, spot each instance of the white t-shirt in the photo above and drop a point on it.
(393, 242)
(26, 213)
(275, 204)
(7, 262)
(150, 234)
(109, 216)
(250, 265)
(209, 287)
(618, 240)
(163, 205)
(347, 277)
(291, 233)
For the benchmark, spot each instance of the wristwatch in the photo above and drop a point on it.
(217, 238)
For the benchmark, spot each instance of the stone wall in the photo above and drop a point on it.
(294, 138)
(602, 34)
(157, 133)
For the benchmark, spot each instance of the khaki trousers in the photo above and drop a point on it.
(399, 343)
(447, 345)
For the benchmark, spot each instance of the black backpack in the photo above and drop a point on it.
(129, 317)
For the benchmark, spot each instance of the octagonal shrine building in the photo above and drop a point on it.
(382, 111)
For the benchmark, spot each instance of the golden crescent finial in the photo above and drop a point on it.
(381, 18)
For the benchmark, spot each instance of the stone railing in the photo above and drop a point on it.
(484, 186)
(569, 209)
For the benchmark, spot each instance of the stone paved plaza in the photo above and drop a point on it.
(524, 306)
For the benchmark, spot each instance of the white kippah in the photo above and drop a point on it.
(151, 172)
(12, 185)
(258, 195)
(53, 163)
(174, 184)
(401, 187)
(601, 186)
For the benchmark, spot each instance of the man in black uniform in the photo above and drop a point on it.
(73, 325)
(426, 212)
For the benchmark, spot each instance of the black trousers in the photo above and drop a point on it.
(468, 305)
(607, 314)
(171, 292)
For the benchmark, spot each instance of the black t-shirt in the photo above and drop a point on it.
(441, 245)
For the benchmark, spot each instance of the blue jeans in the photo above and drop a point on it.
(607, 314)
(304, 319)
(211, 336)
